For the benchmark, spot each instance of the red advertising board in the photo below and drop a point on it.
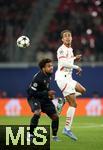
(20, 107)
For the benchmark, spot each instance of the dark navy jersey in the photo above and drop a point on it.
(39, 86)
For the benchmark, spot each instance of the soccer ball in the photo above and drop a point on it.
(23, 42)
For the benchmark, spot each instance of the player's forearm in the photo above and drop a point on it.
(73, 66)
(38, 94)
(66, 63)
(43, 94)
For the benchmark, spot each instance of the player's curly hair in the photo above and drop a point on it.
(43, 62)
(64, 31)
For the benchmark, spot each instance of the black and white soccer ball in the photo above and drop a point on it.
(23, 42)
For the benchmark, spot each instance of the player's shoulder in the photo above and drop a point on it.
(40, 76)
(61, 49)
(36, 76)
(70, 49)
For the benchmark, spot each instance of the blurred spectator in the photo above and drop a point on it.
(42, 55)
(3, 94)
(83, 17)
(85, 20)
(14, 15)
(88, 55)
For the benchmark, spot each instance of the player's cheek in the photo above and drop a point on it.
(52, 69)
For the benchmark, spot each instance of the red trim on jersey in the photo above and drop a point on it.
(62, 57)
(61, 68)
(66, 57)
(64, 87)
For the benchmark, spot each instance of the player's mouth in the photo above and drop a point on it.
(68, 41)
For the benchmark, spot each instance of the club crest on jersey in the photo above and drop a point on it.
(61, 52)
(35, 84)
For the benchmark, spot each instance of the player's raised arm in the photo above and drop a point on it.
(67, 64)
(78, 57)
(64, 61)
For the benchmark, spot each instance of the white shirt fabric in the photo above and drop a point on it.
(63, 75)
(65, 58)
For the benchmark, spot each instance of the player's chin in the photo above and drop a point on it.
(67, 42)
(51, 71)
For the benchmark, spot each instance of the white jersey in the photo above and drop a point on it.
(65, 61)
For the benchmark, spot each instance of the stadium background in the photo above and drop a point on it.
(42, 21)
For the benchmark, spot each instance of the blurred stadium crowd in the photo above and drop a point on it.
(83, 17)
(15, 15)
(4, 94)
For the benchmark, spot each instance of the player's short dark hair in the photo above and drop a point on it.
(64, 31)
(43, 62)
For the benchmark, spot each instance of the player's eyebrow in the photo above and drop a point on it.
(67, 33)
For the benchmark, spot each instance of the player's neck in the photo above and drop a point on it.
(46, 74)
(67, 45)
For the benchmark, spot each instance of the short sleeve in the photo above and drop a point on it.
(61, 53)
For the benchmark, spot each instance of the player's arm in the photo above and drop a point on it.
(63, 60)
(34, 91)
(43, 94)
(78, 57)
(71, 66)
(51, 94)
(67, 64)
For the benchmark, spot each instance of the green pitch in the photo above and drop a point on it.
(89, 131)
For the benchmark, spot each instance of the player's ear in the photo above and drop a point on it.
(62, 39)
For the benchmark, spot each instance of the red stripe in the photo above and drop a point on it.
(62, 57)
(61, 68)
(64, 87)
(66, 57)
